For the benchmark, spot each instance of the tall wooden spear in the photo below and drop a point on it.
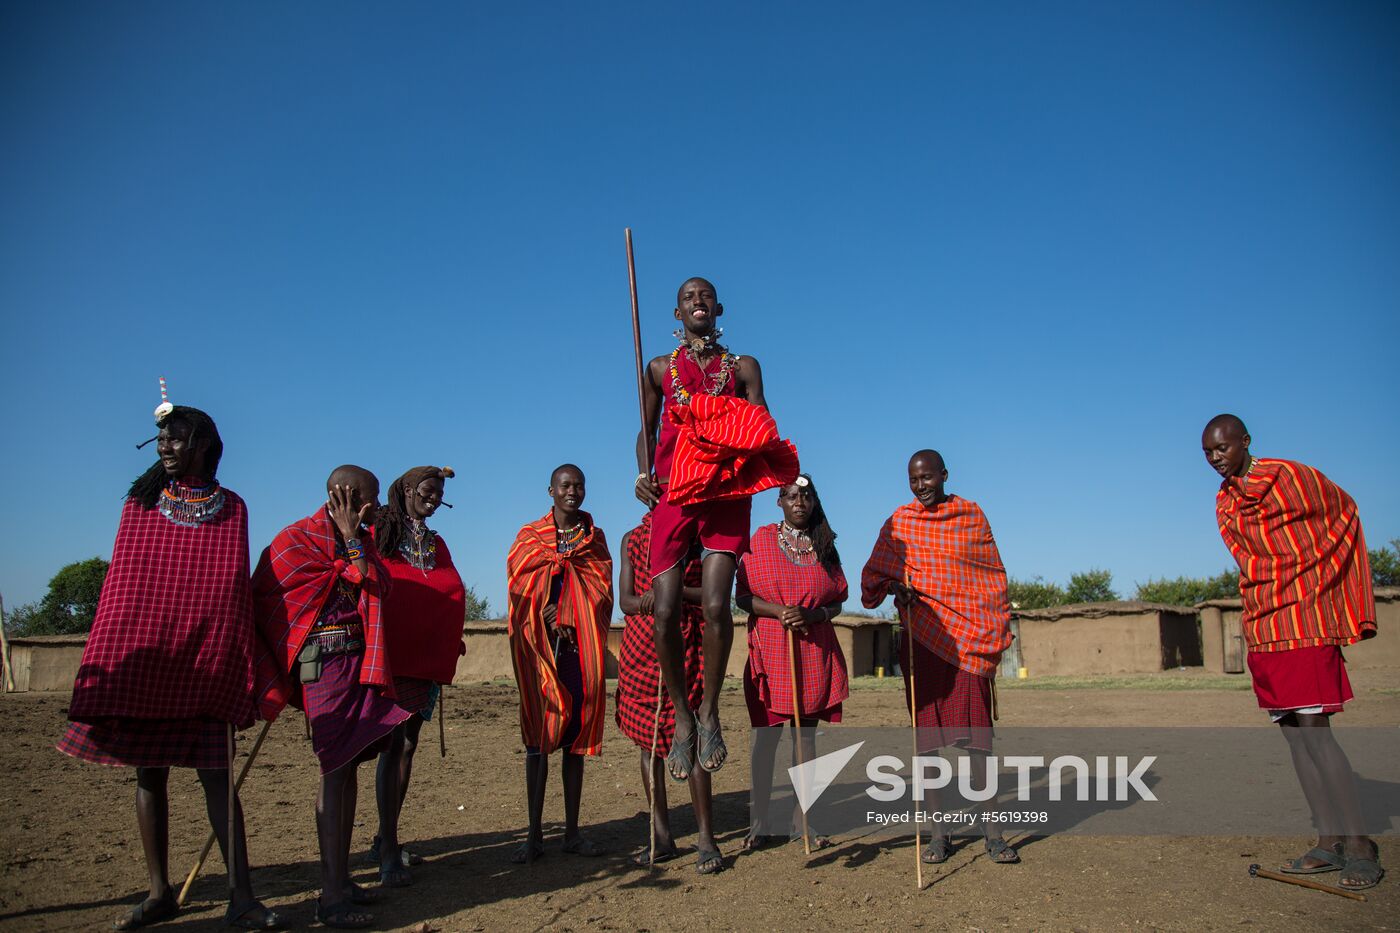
(907, 618)
(797, 735)
(646, 458)
(209, 843)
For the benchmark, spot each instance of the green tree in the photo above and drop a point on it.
(70, 604)
(1034, 593)
(478, 607)
(1187, 591)
(1090, 586)
(1385, 564)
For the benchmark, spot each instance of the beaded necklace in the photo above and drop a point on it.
(796, 544)
(418, 546)
(718, 380)
(190, 506)
(570, 538)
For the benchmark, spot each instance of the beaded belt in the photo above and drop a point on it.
(339, 639)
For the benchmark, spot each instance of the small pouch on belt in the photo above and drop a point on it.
(309, 662)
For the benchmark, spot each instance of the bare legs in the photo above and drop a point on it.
(716, 584)
(335, 824)
(1328, 784)
(390, 786)
(700, 798)
(761, 761)
(536, 776)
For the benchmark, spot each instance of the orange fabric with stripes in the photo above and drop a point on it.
(585, 605)
(726, 448)
(1305, 577)
(962, 613)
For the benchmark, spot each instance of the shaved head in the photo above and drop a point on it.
(696, 280)
(350, 475)
(932, 457)
(565, 468)
(1227, 422)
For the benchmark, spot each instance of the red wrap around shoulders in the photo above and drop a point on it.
(424, 614)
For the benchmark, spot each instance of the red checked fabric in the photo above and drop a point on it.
(295, 576)
(638, 674)
(173, 637)
(585, 605)
(1305, 577)
(962, 613)
(766, 572)
(726, 448)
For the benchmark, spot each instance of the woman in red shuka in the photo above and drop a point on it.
(424, 613)
(791, 581)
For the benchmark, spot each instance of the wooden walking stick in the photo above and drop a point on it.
(646, 456)
(5, 651)
(232, 847)
(442, 722)
(209, 843)
(797, 735)
(907, 618)
(1256, 872)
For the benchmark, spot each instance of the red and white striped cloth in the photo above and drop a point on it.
(726, 448)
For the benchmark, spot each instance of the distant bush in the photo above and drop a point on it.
(478, 607)
(1091, 586)
(1035, 593)
(1187, 591)
(1385, 564)
(69, 606)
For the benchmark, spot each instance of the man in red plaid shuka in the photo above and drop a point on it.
(938, 558)
(318, 589)
(715, 445)
(168, 665)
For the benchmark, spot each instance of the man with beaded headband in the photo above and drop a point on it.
(424, 612)
(700, 489)
(168, 665)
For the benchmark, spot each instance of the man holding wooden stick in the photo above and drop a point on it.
(937, 557)
(167, 672)
(701, 490)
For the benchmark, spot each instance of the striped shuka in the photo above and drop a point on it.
(585, 605)
(1305, 578)
(638, 674)
(768, 573)
(962, 613)
(295, 576)
(726, 448)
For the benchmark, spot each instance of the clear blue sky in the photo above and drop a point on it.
(1051, 240)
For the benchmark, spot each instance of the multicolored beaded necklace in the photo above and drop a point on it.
(718, 379)
(190, 506)
(418, 546)
(797, 545)
(570, 538)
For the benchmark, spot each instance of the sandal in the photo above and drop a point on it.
(343, 916)
(395, 877)
(1000, 852)
(581, 845)
(528, 851)
(680, 760)
(270, 919)
(1360, 874)
(939, 850)
(756, 841)
(361, 896)
(1331, 860)
(151, 910)
(710, 862)
(410, 859)
(642, 857)
(711, 746)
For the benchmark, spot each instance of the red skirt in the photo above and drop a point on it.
(1301, 678)
(149, 743)
(349, 720)
(722, 525)
(954, 707)
(761, 716)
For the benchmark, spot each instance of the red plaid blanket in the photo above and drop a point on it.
(1305, 577)
(173, 637)
(296, 574)
(962, 613)
(726, 448)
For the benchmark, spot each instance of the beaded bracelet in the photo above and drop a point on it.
(353, 549)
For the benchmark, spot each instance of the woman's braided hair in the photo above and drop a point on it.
(147, 487)
(393, 518)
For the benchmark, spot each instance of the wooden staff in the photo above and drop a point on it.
(5, 651)
(907, 618)
(646, 458)
(209, 843)
(1256, 872)
(442, 722)
(797, 735)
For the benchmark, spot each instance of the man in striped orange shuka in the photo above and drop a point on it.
(1305, 584)
(937, 557)
(560, 579)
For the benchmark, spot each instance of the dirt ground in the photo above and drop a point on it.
(72, 859)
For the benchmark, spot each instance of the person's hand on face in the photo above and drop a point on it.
(346, 510)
